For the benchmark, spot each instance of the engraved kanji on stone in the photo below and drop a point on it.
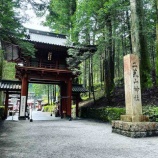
(136, 97)
(136, 81)
(136, 89)
(134, 66)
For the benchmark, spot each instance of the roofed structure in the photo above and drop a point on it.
(10, 85)
(48, 65)
(46, 37)
(78, 88)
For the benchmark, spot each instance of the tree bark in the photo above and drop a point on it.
(157, 42)
(1, 72)
(139, 44)
(109, 63)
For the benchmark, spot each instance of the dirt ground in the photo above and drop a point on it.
(149, 97)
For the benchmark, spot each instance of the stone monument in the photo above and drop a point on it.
(133, 124)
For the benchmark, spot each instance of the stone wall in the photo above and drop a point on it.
(135, 129)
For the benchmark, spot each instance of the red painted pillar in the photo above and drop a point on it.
(63, 99)
(6, 105)
(69, 95)
(24, 88)
(24, 93)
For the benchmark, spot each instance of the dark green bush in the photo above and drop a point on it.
(48, 108)
(104, 114)
(152, 112)
(108, 114)
(1, 112)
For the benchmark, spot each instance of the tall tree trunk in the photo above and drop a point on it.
(157, 42)
(109, 74)
(55, 89)
(129, 31)
(48, 94)
(139, 44)
(89, 77)
(101, 71)
(51, 93)
(135, 28)
(1, 73)
(84, 74)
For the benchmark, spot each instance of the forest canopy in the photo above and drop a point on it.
(116, 27)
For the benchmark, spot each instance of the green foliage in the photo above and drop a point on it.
(60, 15)
(39, 89)
(8, 70)
(107, 114)
(1, 63)
(152, 112)
(9, 22)
(87, 22)
(156, 63)
(104, 114)
(49, 108)
(1, 112)
(11, 28)
(73, 62)
(146, 79)
(27, 48)
(119, 82)
(84, 97)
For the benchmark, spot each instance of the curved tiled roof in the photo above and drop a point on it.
(46, 37)
(8, 85)
(78, 88)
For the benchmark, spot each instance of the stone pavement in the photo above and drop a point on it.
(60, 138)
(36, 115)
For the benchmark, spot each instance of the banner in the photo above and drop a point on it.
(22, 106)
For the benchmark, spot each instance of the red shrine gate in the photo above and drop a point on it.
(48, 66)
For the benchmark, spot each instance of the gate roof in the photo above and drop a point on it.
(12, 85)
(46, 37)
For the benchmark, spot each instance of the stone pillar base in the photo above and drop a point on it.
(134, 118)
(135, 129)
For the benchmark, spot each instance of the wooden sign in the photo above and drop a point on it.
(22, 106)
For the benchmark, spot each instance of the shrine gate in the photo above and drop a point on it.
(48, 66)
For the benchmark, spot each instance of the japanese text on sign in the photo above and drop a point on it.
(136, 81)
(22, 106)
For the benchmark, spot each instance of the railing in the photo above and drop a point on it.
(45, 65)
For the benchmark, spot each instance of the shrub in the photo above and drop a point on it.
(1, 112)
(107, 114)
(152, 112)
(104, 114)
(48, 108)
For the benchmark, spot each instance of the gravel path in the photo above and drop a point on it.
(59, 138)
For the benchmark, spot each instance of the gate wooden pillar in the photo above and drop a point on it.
(69, 95)
(6, 105)
(24, 93)
(66, 93)
(63, 100)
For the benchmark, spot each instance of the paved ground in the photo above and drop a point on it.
(59, 138)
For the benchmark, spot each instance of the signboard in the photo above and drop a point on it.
(22, 105)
